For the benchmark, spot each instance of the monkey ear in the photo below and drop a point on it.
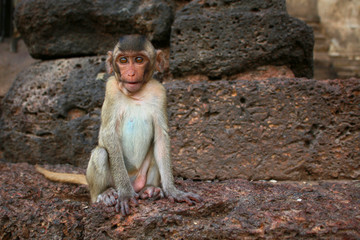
(160, 61)
(109, 60)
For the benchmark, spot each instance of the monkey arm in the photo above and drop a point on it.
(162, 142)
(162, 155)
(117, 166)
(162, 158)
(109, 138)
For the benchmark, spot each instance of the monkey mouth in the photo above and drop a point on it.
(132, 83)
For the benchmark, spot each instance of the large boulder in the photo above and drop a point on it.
(51, 113)
(220, 38)
(252, 129)
(55, 29)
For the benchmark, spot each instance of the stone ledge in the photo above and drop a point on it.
(33, 207)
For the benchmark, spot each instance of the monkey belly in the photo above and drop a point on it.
(137, 136)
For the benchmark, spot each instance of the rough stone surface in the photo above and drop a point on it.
(221, 37)
(55, 29)
(32, 207)
(51, 113)
(277, 128)
(252, 129)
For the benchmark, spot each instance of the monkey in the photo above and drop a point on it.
(132, 158)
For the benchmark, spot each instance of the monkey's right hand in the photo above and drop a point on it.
(122, 203)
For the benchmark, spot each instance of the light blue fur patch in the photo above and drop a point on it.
(129, 126)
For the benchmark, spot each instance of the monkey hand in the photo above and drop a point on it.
(122, 203)
(180, 196)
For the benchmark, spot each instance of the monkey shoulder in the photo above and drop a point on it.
(157, 90)
(112, 87)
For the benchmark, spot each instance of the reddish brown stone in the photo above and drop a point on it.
(289, 129)
(35, 208)
(278, 128)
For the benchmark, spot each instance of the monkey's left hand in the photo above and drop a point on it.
(188, 197)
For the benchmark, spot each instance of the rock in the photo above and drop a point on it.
(56, 29)
(221, 38)
(51, 113)
(287, 129)
(35, 208)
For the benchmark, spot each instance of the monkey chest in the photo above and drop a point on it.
(137, 135)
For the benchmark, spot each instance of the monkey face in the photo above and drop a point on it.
(133, 68)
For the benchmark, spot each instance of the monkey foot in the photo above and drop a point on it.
(108, 197)
(152, 192)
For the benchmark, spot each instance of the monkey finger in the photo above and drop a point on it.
(134, 201)
(162, 195)
(117, 206)
(144, 195)
(125, 209)
(188, 201)
(150, 192)
(195, 197)
(172, 199)
(158, 193)
(112, 200)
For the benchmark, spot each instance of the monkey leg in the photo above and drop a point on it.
(152, 189)
(99, 177)
(146, 175)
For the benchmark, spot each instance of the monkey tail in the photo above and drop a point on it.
(62, 177)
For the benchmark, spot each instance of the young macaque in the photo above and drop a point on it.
(132, 159)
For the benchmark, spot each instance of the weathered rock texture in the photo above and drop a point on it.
(35, 208)
(55, 29)
(51, 113)
(277, 128)
(291, 129)
(221, 38)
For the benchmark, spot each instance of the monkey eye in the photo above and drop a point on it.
(123, 60)
(139, 59)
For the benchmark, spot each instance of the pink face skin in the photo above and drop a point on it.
(132, 68)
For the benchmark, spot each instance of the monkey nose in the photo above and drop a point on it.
(131, 73)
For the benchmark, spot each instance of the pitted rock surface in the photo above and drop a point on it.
(57, 29)
(289, 129)
(222, 38)
(32, 207)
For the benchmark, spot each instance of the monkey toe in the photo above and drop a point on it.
(152, 192)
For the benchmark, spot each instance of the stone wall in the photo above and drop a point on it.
(215, 38)
(288, 129)
(235, 127)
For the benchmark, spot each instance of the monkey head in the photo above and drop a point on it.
(133, 61)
